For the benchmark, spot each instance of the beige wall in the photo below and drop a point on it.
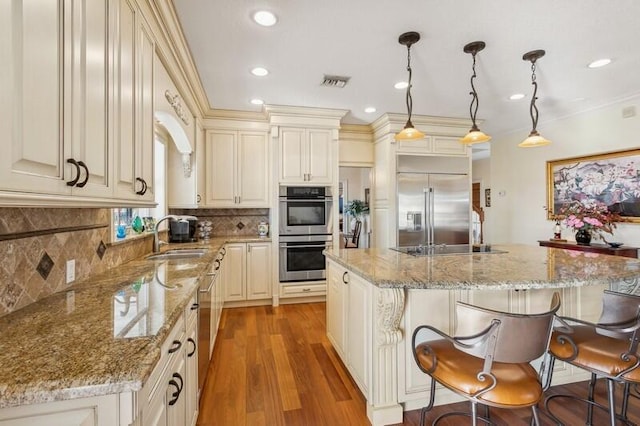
(518, 176)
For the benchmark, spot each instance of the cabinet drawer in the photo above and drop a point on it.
(303, 290)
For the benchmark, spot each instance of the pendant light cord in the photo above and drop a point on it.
(533, 109)
(473, 107)
(409, 98)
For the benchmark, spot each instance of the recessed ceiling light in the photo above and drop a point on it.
(265, 18)
(259, 71)
(401, 85)
(599, 63)
(369, 110)
(516, 96)
(257, 101)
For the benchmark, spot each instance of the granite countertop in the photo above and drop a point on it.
(79, 343)
(521, 267)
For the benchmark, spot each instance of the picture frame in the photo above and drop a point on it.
(367, 195)
(612, 178)
(487, 197)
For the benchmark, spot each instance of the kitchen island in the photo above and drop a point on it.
(377, 297)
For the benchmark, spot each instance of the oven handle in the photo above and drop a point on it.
(284, 245)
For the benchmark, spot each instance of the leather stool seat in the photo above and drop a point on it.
(596, 353)
(517, 385)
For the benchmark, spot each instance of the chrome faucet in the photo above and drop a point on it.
(156, 240)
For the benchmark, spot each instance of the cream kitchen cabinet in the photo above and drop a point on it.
(438, 145)
(306, 156)
(94, 411)
(348, 320)
(133, 99)
(237, 169)
(170, 397)
(247, 272)
(55, 84)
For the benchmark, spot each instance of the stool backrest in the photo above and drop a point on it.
(620, 311)
(519, 337)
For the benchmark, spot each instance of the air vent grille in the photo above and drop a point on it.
(335, 81)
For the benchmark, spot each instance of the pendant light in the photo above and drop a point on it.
(409, 133)
(534, 139)
(475, 135)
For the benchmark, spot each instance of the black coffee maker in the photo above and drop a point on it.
(182, 230)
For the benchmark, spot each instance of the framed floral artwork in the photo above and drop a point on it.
(611, 178)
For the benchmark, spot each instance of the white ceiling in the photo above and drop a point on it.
(359, 38)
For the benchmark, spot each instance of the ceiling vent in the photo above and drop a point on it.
(335, 81)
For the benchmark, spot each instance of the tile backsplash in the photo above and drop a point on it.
(236, 222)
(34, 251)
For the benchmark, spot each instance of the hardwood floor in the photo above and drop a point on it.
(275, 366)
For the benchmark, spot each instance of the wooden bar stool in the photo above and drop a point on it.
(488, 361)
(607, 349)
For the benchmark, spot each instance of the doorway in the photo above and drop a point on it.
(355, 185)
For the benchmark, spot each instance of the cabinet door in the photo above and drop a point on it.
(449, 146)
(319, 156)
(190, 393)
(125, 103)
(144, 109)
(157, 411)
(292, 151)
(358, 327)
(253, 170)
(221, 168)
(176, 412)
(336, 303)
(31, 107)
(86, 78)
(235, 287)
(259, 271)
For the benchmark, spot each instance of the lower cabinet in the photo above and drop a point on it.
(247, 272)
(170, 397)
(349, 321)
(95, 411)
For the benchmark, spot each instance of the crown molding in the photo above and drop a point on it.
(174, 53)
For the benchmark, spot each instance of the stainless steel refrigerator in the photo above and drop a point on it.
(434, 205)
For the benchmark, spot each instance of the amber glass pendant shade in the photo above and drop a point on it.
(409, 133)
(534, 140)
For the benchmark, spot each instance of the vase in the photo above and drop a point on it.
(583, 237)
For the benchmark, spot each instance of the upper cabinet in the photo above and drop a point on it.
(76, 81)
(133, 100)
(436, 145)
(306, 156)
(237, 169)
(54, 108)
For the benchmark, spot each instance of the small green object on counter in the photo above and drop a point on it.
(137, 225)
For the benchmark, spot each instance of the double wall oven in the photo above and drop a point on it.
(305, 231)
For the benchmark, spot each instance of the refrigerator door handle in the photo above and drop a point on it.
(431, 218)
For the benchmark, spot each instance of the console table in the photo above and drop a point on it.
(592, 248)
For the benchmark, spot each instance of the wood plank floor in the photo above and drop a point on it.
(275, 366)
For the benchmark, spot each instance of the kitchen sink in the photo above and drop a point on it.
(177, 254)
